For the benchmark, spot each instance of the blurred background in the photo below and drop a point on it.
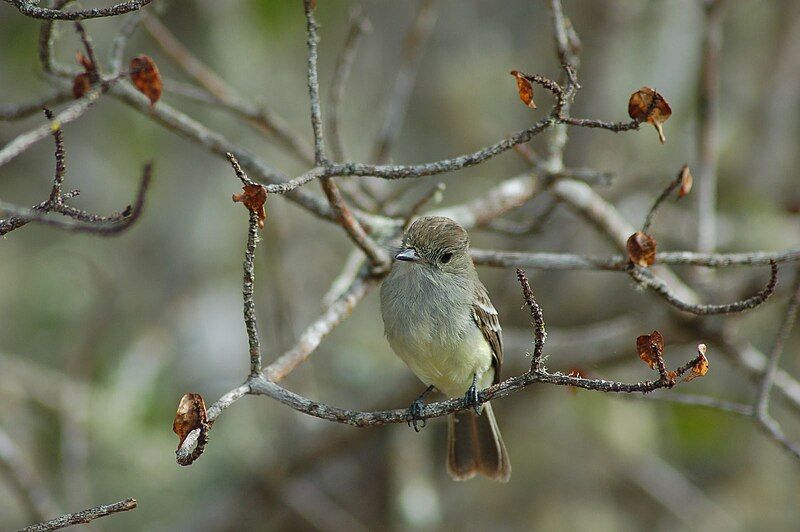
(99, 338)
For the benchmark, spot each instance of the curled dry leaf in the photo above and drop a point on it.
(253, 197)
(145, 76)
(686, 181)
(191, 415)
(700, 367)
(81, 85)
(641, 249)
(650, 346)
(646, 105)
(525, 88)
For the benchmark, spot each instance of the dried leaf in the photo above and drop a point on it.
(525, 88)
(81, 85)
(191, 415)
(700, 367)
(253, 197)
(686, 181)
(650, 346)
(641, 249)
(648, 105)
(84, 61)
(145, 76)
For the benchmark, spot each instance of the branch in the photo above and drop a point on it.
(312, 336)
(708, 124)
(790, 316)
(221, 94)
(539, 332)
(675, 183)
(359, 26)
(83, 517)
(398, 98)
(572, 261)
(31, 10)
(313, 82)
(83, 222)
(647, 279)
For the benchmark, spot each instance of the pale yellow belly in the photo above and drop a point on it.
(448, 367)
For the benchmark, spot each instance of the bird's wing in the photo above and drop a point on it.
(486, 318)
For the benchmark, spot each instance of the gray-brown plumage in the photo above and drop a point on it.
(440, 321)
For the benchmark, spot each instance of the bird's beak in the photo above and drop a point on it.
(408, 255)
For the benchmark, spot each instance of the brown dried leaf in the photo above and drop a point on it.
(700, 368)
(650, 346)
(191, 415)
(81, 85)
(253, 197)
(525, 88)
(686, 181)
(648, 105)
(641, 249)
(145, 76)
(84, 61)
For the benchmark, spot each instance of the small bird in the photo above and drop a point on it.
(439, 320)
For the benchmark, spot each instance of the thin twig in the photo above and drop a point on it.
(398, 98)
(789, 318)
(539, 332)
(377, 255)
(708, 125)
(312, 336)
(312, 39)
(84, 222)
(359, 26)
(434, 193)
(647, 279)
(261, 118)
(83, 517)
(675, 183)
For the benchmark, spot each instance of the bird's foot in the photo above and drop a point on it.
(471, 397)
(417, 410)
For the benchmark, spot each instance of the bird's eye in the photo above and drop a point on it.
(446, 258)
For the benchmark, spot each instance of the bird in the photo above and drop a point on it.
(439, 320)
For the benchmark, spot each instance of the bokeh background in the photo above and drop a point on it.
(99, 338)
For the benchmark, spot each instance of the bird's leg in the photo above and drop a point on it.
(416, 410)
(471, 397)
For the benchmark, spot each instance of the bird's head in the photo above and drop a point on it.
(436, 242)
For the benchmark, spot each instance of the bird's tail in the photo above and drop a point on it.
(474, 445)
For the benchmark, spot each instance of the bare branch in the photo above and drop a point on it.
(313, 83)
(262, 118)
(84, 222)
(84, 516)
(539, 332)
(312, 336)
(377, 255)
(23, 479)
(708, 125)
(790, 316)
(18, 111)
(647, 279)
(675, 183)
(31, 10)
(247, 293)
(571, 261)
(399, 96)
(359, 26)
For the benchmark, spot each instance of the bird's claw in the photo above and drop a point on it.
(471, 398)
(415, 412)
